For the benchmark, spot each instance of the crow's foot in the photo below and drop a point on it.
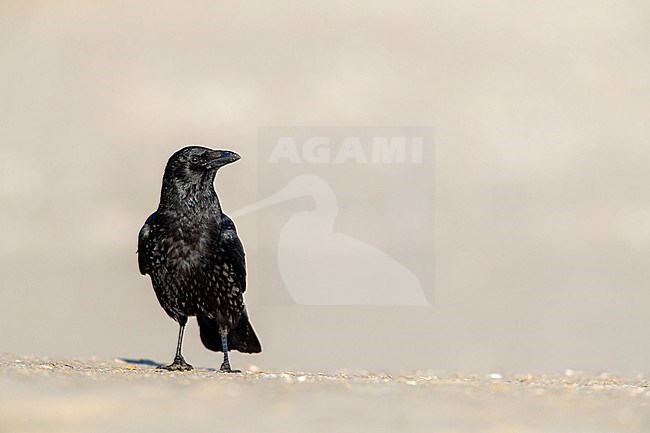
(179, 364)
(225, 368)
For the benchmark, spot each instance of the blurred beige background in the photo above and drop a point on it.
(541, 113)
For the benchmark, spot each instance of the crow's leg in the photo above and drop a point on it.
(225, 367)
(179, 363)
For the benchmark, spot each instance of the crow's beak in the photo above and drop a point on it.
(219, 158)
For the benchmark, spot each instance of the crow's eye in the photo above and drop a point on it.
(194, 160)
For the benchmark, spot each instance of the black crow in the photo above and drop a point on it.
(195, 259)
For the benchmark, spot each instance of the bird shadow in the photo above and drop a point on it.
(151, 363)
(147, 362)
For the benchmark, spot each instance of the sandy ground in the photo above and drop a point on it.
(99, 395)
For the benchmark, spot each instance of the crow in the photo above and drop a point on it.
(195, 259)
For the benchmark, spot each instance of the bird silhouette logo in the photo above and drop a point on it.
(320, 266)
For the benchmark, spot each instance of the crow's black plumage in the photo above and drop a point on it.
(191, 250)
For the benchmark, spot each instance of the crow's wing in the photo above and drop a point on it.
(233, 251)
(143, 245)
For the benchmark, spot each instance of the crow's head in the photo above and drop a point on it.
(195, 163)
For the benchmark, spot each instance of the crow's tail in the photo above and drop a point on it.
(241, 338)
